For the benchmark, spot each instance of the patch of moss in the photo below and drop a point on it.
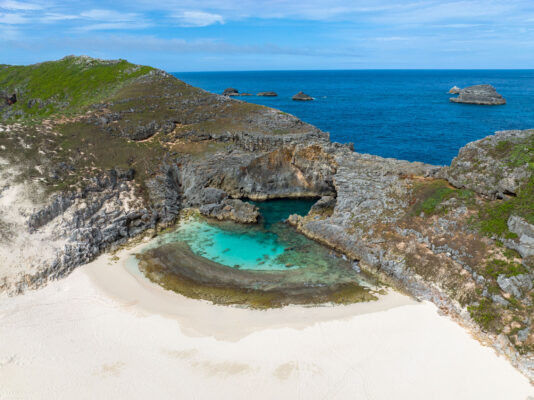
(430, 195)
(493, 217)
(494, 268)
(485, 314)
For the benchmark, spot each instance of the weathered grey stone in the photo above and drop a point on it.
(515, 285)
(479, 94)
(525, 231)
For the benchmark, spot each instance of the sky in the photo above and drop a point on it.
(235, 35)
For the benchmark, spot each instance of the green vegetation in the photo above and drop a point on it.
(484, 314)
(494, 268)
(66, 86)
(430, 195)
(493, 218)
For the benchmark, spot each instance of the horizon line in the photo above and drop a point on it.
(353, 69)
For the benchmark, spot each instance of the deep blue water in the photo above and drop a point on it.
(402, 114)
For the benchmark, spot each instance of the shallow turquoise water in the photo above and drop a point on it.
(267, 246)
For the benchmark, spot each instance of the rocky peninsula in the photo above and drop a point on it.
(478, 94)
(86, 168)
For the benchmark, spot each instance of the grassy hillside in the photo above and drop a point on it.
(67, 86)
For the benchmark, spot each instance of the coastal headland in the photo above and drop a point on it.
(107, 152)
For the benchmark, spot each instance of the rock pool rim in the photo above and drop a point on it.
(195, 278)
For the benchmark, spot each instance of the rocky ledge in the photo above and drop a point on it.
(478, 94)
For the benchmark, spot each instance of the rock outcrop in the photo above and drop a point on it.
(230, 92)
(300, 96)
(525, 233)
(455, 90)
(478, 94)
(493, 166)
(267, 94)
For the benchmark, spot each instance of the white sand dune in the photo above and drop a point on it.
(104, 332)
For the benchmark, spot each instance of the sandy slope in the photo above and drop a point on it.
(104, 332)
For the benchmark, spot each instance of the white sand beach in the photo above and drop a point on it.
(105, 332)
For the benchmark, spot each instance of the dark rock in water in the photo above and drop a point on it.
(231, 92)
(267, 94)
(245, 94)
(479, 94)
(300, 96)
(455, 90)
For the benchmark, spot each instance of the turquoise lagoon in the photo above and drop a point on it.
(268, 264)
(269, 246)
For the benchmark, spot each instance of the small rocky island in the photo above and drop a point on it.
(230, 92)
(105, 161)
(478, 94)
(301, 96)
(267, 94)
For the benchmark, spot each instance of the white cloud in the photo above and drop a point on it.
(55, 17)
(19, 5)
(198, 18)
(109, 15)
(12, 19)
(108, 26)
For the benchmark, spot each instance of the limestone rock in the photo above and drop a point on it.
(486, 166)
(232, 209)
(525, 232)
(479, 94)
(455, 90)
(515, 285)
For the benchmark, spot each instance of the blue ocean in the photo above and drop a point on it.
(404, 114)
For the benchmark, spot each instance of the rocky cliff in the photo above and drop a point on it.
(84, 176)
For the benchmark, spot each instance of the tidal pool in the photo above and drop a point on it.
(263, 265)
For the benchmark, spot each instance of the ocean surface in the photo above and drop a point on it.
(404, 114)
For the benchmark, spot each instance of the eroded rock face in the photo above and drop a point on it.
(492, 166)
(478, 94)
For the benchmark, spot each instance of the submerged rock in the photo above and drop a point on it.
(267, 94)
(478, 94)
(300, 96)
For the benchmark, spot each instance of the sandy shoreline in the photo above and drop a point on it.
(106, 332)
